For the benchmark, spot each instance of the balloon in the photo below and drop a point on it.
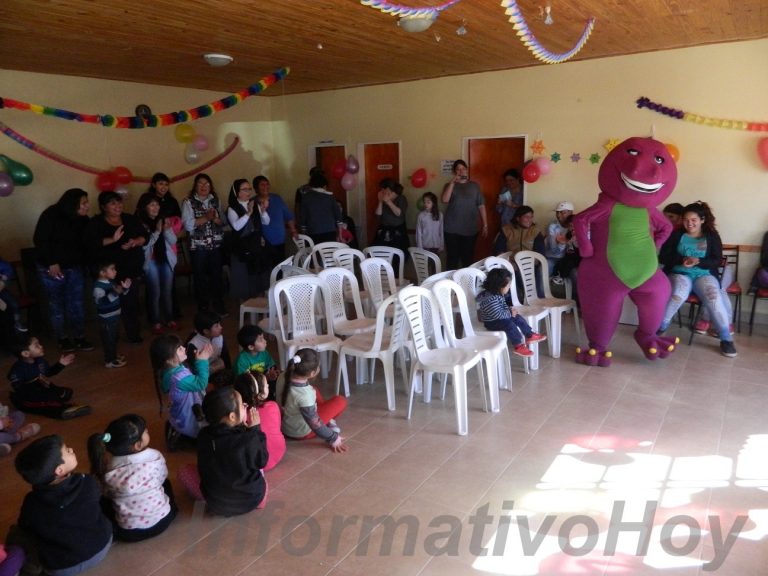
(19, 173)
(6, 184)
(339, 168)
(419, 178)
(673, 151)
(106, 181)
(353, 166)
(420, 204)
(531, 173)
(184, 133)
(762, 150)
(122, 175)
(191, 155)
(544, 165)
(201, 143)
(349, 181)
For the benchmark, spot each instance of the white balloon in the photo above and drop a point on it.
(191, 154)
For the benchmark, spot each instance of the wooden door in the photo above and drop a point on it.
(488, 159)
(379, 161)
(325, 158)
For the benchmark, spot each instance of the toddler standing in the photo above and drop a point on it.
(429, 225)
(106, 294)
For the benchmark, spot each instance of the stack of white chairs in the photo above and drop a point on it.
(259, 306)
(322, 255)
(389, 254)
(378, 280)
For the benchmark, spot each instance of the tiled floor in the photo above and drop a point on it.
(574, 453)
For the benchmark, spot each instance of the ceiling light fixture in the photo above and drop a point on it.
(548, 19)
(417, 23)
(218, 60)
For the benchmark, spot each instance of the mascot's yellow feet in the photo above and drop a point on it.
(593, 357)
(654, 346)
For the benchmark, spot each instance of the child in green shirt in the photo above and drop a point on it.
(255, 357)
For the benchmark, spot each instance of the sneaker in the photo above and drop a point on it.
(522, 350)
(157, 329)
(172, 325)
(533, 338)
(5, 449)
(728, 349)
(66, 345)
(172, 437)
(333, 426)
(121, 357)
(116, 363)
(83, 344)
(28, 430)
(701, 327)
(75, 412)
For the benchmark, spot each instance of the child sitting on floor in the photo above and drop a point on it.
(32, 389)
(254, 390)
(306, 413)
(255, 356)
(208, 330)
(495, 311)
(13, 429)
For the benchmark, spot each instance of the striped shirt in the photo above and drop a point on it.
(492, 306)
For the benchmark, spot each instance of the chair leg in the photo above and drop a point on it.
(693, 319)
(460, 397)
(389, 381)
(341, 373)
(752, 314)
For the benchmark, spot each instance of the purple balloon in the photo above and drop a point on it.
(6, 184)
(353, 166)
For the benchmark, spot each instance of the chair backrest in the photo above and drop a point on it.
(396, 333)
(388, 253)
(341, 282)
(413, 300)
(421, 263)
(300, 295)
(531, 263)
(498, 262)
(304, 242)
(431, 280)
(470, 279)
(449, 292)
(303, 257)
(277, 271)
(348, 258)
(322, 254)
(378, 279)
(731, 257)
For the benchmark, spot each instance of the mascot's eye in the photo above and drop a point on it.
(633, 152)
(658, 159)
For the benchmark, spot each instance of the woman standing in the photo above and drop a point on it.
(391, 210)
(61, 256)
(201, 216)
(159, 262)
(249, 259)
(160, 188)
(464, 198)
(280, 218)
(320, 213)
(116, 237)
(692, 258)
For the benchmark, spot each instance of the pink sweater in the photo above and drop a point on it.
(270, 425)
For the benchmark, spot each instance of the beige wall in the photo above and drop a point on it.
(573, 107)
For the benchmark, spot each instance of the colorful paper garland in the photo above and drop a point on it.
(156, 120)
(34, 147)
(644, 102)
(405, 11)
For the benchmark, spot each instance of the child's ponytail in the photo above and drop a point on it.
(161, 351)
(119, 439)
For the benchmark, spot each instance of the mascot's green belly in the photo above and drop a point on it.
(631, 252)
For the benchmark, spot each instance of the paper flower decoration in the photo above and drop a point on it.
(594, 158)
(530, 42)
(555, 157)
(575, 157)
(644, 102)
(538, 147)
(611, 144)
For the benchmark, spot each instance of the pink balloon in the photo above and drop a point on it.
(200, 143)
(762, 150)
(353, 166)
(6, 185)
(531, 173)
(349, 181)
(544, 164)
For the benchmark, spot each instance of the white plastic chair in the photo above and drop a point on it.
(381, 344)
(492, 344)
(388, 253)
(322, 254)
(530, 264)
(471, 281)
(299, 327)
(304, 242)
(341, 282)
(533, 314)
(423, 262)
(259, 306)
(350, 259)
(378, 280)
(441, 359)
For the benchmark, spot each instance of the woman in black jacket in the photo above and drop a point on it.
(61, 255)
(692, 258)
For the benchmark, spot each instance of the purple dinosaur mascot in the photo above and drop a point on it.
(619, 237)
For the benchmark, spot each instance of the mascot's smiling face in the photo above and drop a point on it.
(639, 172)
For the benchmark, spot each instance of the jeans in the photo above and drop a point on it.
(65, 301)
(159, 277)
(207, 272)
(459, 250)
(516, 328)
(109, 329)
(707, 288)
(129, 305)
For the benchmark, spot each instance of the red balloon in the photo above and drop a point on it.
(762, 150)
(339, 168)
(531, 173)
(419, 178)
(106, 181)
(122, 175)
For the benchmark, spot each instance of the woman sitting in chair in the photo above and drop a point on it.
(692, 257)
